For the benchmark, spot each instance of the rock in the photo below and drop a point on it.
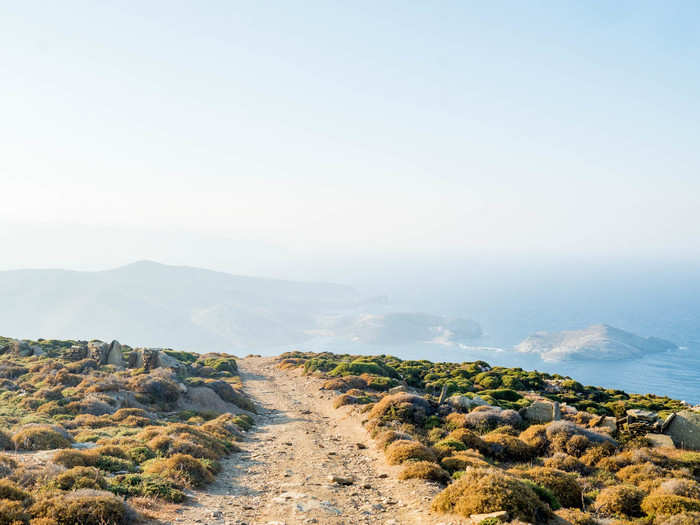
(458, 402)
(114, 354)
(76, 353)
(340, 480)
(542, 412)
(643, 415)
(667, 422)
(500, 515)
(660, 441)
(684, 429)
(397, 389)
(21, 348)
(163, 360)
(98, 351)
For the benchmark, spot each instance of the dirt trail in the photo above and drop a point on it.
(282, 476)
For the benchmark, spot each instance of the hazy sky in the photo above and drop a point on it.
(237, 134)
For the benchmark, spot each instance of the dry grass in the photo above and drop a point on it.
(424, 470)
(405, 450)
(625, 500)
(489, 490)
(563, 485)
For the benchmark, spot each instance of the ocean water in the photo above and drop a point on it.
(675, 373)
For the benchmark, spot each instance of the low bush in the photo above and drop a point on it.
(576, 517)
(40, 437)
(562, 461)
(564, 486)
(463, 460)
(82, 507)
(669, 504)
(404, 450)
(10, 491)
(424, 470)
(148, 486)
(79, 478)
(505, 447)
(384, 439)
(480, 491)
(13, 512)
(625, 500)
(181, 468)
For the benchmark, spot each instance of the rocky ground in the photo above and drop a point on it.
(306, 462)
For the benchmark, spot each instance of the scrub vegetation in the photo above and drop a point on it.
(476, 430)
(122, 423)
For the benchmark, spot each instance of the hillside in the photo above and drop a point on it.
(185, 307)
(597, 342)
(105, 434)
(157, 304)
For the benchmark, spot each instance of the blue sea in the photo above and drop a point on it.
(512, 301)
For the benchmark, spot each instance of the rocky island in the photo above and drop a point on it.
(597, 342)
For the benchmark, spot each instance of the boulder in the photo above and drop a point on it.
(114, 354)
(604, 423)
(150, 358)
(465, 403)
(98, 351)
(76, 353)
(684, 429)
(660, 441)
(164, 360)
(21, 348)
(642, 415)
(542, 412)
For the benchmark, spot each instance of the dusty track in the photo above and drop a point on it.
(282, 476)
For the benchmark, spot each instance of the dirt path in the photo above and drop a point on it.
(282, 476)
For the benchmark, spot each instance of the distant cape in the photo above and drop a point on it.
(597, 342)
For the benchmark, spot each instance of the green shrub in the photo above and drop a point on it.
(79, 478)
(148, 486)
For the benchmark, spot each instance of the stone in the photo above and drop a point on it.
(76, 353)
(340, 480)
(458, 402)
(114, 354)
(21, 348)
(660, 441)
(542, 412)
(500, 515)
(684, 429)
(98, 350)
(163, 360)
(667, 422)
(644, 415)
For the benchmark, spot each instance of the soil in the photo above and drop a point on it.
(283, 475)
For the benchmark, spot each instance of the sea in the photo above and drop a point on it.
(512, 301)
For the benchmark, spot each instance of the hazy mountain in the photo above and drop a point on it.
(183, 307)
(595, 342)
(156, 304)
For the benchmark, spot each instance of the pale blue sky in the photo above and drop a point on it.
(138, 130)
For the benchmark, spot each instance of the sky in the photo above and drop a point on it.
(277, 138)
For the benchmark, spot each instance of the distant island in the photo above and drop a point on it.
(597, 342)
